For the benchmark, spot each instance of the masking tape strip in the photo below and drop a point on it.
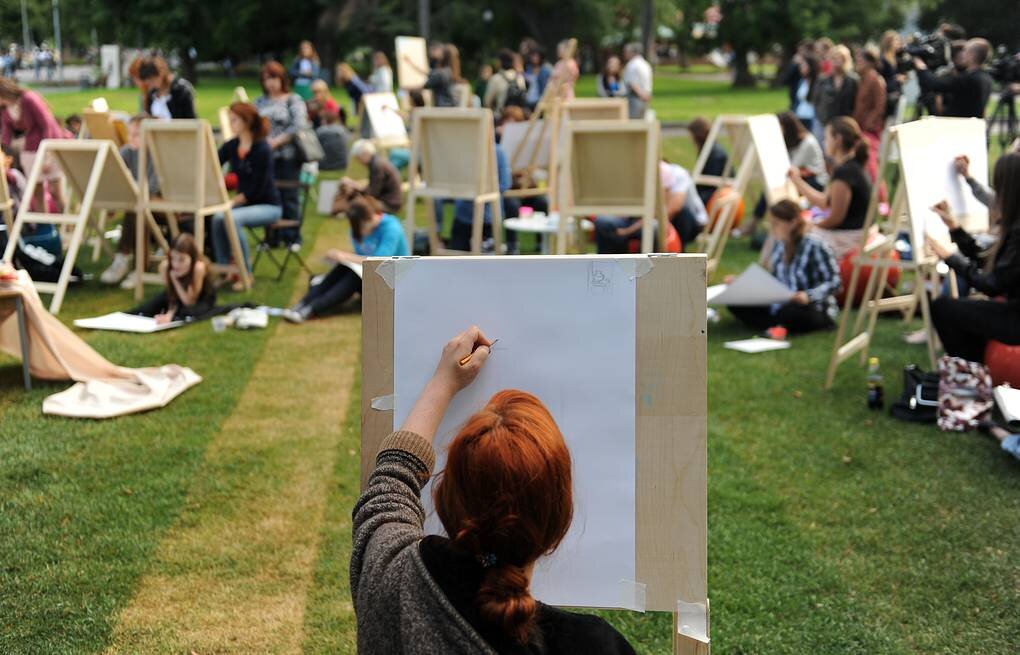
(394, 268)
(632, 595)
(383, 403)
(635, 267)
(692, 620)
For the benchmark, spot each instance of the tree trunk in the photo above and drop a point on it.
(648, 29)
(742, 76)
(189, 67)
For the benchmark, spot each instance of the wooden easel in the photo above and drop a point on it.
(594, 109)
(101, 125)
(6, 202)
(522, 163)
(755, 142)
(240, 95)
(453, 156)
(671, 469)
(877, 253)
(98, 176)
(612, 167)
(190, 180)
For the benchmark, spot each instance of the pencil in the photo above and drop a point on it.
(466, 359)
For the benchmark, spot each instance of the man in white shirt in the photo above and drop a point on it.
(637, 80)
(683, 204)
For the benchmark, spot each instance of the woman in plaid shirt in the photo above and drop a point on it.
(805, 265)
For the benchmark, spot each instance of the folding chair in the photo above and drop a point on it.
(268, 241)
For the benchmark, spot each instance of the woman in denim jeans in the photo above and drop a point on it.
(257, 201)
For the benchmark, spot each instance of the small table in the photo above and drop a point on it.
(8, 294)
(543, 224)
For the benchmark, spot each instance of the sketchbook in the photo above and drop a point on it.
(1008, 400)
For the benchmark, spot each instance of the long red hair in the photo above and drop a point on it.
(258, 125)
(506, 498)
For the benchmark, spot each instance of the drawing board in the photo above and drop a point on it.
(527, 146)
(638, 539)
(927, 149)
(383, 112)
(411, 76)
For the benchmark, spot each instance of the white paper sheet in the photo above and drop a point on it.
(755, 286)
(383, 111)
(121, 322)
(413, 48)
(513, 137)
(1008, 400)
(566, 330)
(327, 193)
(927, 150)
(756, 345)
(772, 154)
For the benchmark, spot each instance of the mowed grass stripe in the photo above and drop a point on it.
(233, 572)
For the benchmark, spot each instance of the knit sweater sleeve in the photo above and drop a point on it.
(389, 516)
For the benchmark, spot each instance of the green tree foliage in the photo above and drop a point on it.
(996, 20)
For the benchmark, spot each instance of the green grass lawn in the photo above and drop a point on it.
(832, 529)
(676, 98)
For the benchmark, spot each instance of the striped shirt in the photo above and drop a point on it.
(812, 269)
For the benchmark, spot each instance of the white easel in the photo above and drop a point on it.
(190, 180)
(756, 149)
(98, 176)
(456, 151)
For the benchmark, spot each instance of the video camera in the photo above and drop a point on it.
(934, 49)
(1005, 68)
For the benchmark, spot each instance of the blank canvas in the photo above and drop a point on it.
(566, 329)
(413, 48)
(771, 148)
(383, 112)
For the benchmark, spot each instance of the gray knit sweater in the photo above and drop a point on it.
(405, 606)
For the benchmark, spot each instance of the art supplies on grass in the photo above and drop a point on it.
(1008, 400)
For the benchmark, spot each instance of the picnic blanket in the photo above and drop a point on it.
(101, 389)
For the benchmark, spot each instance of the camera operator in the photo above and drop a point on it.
(967, 91)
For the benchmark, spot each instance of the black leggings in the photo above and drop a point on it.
(335, 289)
(966, 325)
(797, 319)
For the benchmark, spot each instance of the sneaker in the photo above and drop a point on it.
(117, 270)
(129, 281)
(297, 315)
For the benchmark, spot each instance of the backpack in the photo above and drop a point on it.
(919, 401)
(516, 95)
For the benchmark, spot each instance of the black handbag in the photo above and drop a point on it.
(919, 402)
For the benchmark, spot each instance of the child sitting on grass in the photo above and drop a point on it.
(189, 292)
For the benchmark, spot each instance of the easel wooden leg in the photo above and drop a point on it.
(477, 227)
(140, 238)
(235, 248)
(683, 645)
(926, 316)
(497, 225)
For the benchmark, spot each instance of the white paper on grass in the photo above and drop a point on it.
(1008, 399)
(927, 150)
(327, 194)
(121, 322)
(755, 286)
(756, 345)
(566, 330)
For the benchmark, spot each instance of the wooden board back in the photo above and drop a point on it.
(101, 125)
(77, 160)
(457, 151)
(594, 109)
(176, 148)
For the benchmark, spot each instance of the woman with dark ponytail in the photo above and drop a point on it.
(847, 196)
(505, 498)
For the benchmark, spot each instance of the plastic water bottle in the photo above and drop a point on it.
(876, 393)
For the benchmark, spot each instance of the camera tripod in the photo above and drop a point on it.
(1005, 117)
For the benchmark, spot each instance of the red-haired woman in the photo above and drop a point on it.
(257, 201)
(505, 499)
(287, 115)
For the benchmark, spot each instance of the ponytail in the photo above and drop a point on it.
(504, 601)
(861, 152)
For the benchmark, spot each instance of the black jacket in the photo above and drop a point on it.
(254, 172)
(1004, 277)
(182, 99)
(966, 93)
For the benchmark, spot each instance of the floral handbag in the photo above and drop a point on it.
(965, 394)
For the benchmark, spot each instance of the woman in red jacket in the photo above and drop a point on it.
(26, 112)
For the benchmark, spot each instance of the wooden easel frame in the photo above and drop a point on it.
(651, 206)
(594, 109)
(547, 109)
(6, 201)
(94, 190)
(199, 199)
(877, 255)
(102, 125)
(422, 184)
(743, 149)
(671, 429)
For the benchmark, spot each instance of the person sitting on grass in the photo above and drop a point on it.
(1008, 441)
(848, 193)
(804, 265)
(257, 201)
(121, 264)
(333, 137)
(189, 293)
(469, 592)
(374, 234)
(965, 325)
(384, 181)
